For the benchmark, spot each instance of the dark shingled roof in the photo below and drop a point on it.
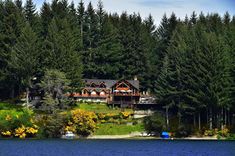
(111, 83)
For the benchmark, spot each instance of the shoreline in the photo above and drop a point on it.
(135, 136)
(125, 137)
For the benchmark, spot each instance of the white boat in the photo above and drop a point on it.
(68, 135)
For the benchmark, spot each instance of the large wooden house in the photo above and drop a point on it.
(115, 92)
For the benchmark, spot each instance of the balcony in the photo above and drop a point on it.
(126, 94)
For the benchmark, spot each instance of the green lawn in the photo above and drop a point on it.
(116, 129)
(100, 108)
(8, 106)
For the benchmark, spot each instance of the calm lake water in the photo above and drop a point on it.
(116, 148)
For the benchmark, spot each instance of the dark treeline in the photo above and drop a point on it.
(188, 64)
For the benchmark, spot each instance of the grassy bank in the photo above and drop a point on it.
(7, 106)
(116, 129)
(100, 108)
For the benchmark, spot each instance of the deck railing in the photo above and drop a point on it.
(126, 94)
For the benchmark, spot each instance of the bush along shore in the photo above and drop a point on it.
(85, 122)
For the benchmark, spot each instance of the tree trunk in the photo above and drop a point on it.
(27, 97)
(225, 117)
(194, 120)
(221, 119)
(217, 120)
(210, 120)
(207, 116)
(167, 117)
(179, 119)
(12, 94)
(199, 121)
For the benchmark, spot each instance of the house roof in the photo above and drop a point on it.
(111, 83)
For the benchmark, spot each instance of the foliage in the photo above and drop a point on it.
(54, 85)
(17, 123)
(188, 64)
(81, 122)
(8, 106)
(125, 115)
(51, 126)
(154, 123)
(216, 132)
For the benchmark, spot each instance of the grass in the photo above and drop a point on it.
(100, 108)
(116, 129)
(8, 106)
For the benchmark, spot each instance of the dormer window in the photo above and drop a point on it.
(93, 85)
(102, 85)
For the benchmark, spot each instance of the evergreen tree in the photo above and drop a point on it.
(46, 17)
(109, 53)
(18, 3)
(81, 19)
(11, 24)
(193, 19)
(62, 44)
(30, 12)
(23, 59)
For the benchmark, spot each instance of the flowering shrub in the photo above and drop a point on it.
(125, 115)
(17, 123)
(81, 122)
(101, 116)
(6, 133)
(222, 133)
(23, 131)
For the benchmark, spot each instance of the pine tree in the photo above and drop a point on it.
(30, 12)
(108, 53)
(149, 22)
(81, 19)
(91, 29)
(46, 16)
(11, 24)
(193, 19)
(18, 3)
(23, 59)
(62, 43)
(226, 19)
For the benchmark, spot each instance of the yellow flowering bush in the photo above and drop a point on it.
(125, 115)
(82, 122)
(6, 133)
(23, 131)
(224, 132)
(20, 132)
(17, 123)
(101, 116)
(8, 118)
(215, 132)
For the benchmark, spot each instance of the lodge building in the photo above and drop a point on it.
(115, 92)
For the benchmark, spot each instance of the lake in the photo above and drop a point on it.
(116, 148)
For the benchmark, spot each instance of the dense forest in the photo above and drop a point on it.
(188, 64)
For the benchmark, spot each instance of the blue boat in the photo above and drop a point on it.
(165, 135)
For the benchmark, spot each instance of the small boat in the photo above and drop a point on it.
(68, 135)
(165, 135)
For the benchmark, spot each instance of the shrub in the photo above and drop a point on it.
(101, 116)
(125, 115)
(17, 123)
(154, 123)
(183, 131)
(51, 125)
(84, 122)
(219, 133)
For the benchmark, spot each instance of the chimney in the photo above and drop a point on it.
(135, 78)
